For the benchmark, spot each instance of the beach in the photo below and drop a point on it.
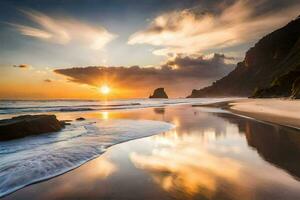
(150, 100)
(279, 111)
(208, 153)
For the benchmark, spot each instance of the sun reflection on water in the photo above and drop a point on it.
(104, 115)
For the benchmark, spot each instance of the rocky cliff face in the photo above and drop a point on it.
(159, 93)
(296, 89)
(286, 85)
(275, 55)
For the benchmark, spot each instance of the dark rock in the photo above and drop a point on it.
(274, 55)
(296, 89)
(159, 93)
(25, 125)
(80, 119)
(65, 122)
(286, 85)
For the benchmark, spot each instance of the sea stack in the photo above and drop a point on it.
(25, 125)
(159, 93)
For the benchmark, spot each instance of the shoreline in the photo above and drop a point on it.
(284, 112)
(278, 111)
(83, 162)
(182, 157)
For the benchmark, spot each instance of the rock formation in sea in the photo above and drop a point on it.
(25, 125)
(159, 93)
(80, 119)
(275, 57)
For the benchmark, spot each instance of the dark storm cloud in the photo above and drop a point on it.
(200, 67)
(198, 62)
(179, 72)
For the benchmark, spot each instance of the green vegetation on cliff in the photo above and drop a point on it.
(286, 85)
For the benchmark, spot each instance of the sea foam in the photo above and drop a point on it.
(32, 159)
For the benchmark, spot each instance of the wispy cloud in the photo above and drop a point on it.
(64, 30)
(194, 31)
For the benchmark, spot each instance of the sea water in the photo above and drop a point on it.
(35, 158)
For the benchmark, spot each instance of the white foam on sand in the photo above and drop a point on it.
(33, 159)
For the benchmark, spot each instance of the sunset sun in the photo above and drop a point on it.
(189, 99)
(104, 89)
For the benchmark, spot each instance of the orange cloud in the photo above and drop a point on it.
(178, 75)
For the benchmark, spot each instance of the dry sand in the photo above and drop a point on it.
(281, 111)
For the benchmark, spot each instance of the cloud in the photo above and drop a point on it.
(194, 30)
(179, 74)
(48, 80)
(64, 30)
(23, 66)
(201, 64)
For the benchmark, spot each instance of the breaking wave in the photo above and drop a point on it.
(33, 159)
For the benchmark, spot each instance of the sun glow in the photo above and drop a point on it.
(105, 115)
(104, 89)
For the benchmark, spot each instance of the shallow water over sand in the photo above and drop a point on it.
(32, 159)
(209, 155)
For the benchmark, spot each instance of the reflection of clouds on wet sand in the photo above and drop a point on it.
(206, 156)
(178, 164)
(97, 171)
(102, 169)
(184, 117)
(207, 165)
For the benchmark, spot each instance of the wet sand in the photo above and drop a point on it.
(209, 155)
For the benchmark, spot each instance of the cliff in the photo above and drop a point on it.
(275, 55)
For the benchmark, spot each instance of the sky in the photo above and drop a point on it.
(53, 49)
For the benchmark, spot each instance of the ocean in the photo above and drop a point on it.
(36, 158)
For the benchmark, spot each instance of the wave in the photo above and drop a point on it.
(88, 105)
(20, 107)
(65, 108)
(33, 159)
(75, 109)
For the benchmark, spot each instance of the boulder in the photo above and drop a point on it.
(25, 125)
(159, 93)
